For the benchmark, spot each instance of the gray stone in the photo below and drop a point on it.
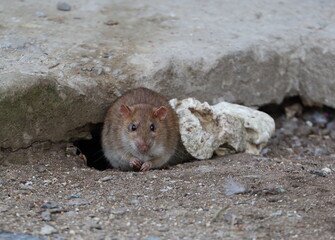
(40, 14)
(153, 238)
(276, 214)
(247, 52)
(63, 6)
(3, 208)
(120, 211)
(318, 172)
(47, 230)
(50, 205)
(134, 201)
(6, 235)
(46, 215)
(41, 169)
(105, 179)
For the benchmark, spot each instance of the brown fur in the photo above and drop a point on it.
(119, 142)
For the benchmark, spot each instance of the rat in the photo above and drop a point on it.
(141, 131)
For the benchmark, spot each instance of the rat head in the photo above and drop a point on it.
(142, 126)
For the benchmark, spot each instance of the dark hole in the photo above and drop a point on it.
(92, 149)
(311, 113)
(278, 110)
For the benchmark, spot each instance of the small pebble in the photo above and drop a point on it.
(87, 69)
(95, 226)
(105, 179)
(46, 215)
(50, 205)
(6, 235)
(265, 151)
(153, 238)
(228, 218)
(318, 172)
(99, 71)
(326, 170)
(119, 211)
(106, 55)
(276, 214)
(309, 123)
(4, 208)
(111, 23)
(26, 187)
(41, 169)
(134, 201)
(63, 6)
(107, 69)
(163, 229)
(75, 196)
(165, 189)
(117, 72)
(47, 229)
(319, 152)
(40, 14)
(122, 77)
(70, 214)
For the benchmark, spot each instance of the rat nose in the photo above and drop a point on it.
(143, 147)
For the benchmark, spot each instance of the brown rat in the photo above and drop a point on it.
(140, 131)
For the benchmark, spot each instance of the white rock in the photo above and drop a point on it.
(258, 125)
(326, 170)
(223, 128)
(47, 229)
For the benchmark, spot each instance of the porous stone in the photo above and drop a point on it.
(223, 128)
(258, 125)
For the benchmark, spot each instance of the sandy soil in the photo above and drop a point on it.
(289, 192)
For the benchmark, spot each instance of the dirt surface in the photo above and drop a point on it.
(287, 193)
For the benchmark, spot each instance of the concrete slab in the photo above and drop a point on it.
(59, 70)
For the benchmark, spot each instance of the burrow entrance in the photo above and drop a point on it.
(92, 149)
(292, 109)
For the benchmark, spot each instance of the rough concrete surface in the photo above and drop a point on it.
(59, 70)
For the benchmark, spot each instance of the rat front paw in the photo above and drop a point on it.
(135, 162)
(146, 166)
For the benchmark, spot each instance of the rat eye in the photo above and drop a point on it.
(152, 127)
(133, 127)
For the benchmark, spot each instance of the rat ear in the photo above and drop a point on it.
(161, 113)
(125, 111)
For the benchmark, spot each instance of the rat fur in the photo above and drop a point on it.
(141, 131)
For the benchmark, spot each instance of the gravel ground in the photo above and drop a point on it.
(288, 192)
